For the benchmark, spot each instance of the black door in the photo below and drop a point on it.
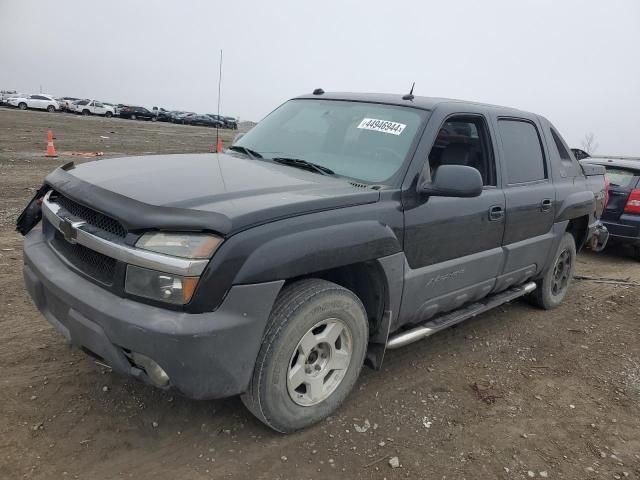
(453, 246)
(530, 198)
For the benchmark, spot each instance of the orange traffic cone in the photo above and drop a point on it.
(219, 146)
(51, 150)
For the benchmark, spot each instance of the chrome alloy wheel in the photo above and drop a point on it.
(319, 362)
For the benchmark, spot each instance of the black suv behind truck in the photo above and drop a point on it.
(338, 227)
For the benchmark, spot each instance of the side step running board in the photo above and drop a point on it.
(440, 323)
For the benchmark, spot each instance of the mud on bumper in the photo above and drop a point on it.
(206, 355)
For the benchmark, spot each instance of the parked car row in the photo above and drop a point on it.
(95, 107)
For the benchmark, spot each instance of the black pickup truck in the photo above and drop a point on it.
(340, 226)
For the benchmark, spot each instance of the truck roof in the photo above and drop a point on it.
(425, 103)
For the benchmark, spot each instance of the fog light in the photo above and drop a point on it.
(154, 371)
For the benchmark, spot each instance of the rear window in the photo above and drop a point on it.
(619, 177)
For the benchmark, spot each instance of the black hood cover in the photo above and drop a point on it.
(214, 192)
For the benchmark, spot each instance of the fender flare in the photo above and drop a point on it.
(577, 204)
(323, 248)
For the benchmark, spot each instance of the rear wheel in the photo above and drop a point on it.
(86, 112)
(311, 355)
(153, 119)
(22, 106)
(51, 109)
(133, 117)
(554, 285)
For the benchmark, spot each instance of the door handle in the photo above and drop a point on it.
(546, 205)
(496, 212)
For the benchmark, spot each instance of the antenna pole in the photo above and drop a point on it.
(219, 87)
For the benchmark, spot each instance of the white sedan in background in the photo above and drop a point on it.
(39, 101)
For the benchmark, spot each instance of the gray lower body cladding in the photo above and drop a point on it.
(205, 355)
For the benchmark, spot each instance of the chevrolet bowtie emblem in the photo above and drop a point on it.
(69, 229)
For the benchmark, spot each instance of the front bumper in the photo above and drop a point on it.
(205, 355)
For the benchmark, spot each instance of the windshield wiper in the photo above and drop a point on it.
(252, 154)
(304, 164)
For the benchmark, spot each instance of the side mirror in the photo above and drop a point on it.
(238, 137)
(453, 181)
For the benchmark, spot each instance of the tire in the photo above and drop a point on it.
(303, 313)
(51, 109)
(132, 117)
(556, 281)
(86, 113)
(108, 114)
(153, 119)
(22, 106)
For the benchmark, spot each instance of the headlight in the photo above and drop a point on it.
(169, 287)
(185, 245)
(160, 286)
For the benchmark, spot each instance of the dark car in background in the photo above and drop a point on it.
(621, 215)
(203, 120)
(225, 122)
(231, 122)
(164, 115)
(137, 113)
(181, 117)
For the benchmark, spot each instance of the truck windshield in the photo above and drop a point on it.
(364, 141)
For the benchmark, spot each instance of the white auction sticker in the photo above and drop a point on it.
(383, 126)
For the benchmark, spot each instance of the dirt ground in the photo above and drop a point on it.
(515, 393)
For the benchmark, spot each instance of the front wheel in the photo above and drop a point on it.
(153, 119)
(554, 285)
(51, 109)
(86, 113)
(108, 114)
(22, 106)
(133, 117)
(311, 355)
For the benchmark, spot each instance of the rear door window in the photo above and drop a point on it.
(522, 149)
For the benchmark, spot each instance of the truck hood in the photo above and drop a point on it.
(217, 192)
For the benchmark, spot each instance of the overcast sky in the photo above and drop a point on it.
(576, 62)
